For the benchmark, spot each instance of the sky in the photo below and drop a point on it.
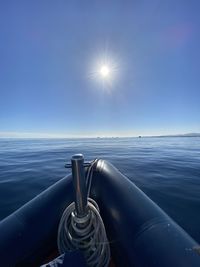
(51, 53)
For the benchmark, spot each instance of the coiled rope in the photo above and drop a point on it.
(86, 233)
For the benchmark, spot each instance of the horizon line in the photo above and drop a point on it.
(34, 135)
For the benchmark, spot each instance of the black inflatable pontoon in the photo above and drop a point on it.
(139, 232)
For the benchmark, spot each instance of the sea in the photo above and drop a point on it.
(167, 169)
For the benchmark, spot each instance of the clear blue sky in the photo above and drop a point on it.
(48, 50)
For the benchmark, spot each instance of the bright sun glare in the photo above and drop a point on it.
(104, 71)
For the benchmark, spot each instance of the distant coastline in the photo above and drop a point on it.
(62, 136)
(178, 135)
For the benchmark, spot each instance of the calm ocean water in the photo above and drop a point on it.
(166, 169)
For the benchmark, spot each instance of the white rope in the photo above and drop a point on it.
(87, 234)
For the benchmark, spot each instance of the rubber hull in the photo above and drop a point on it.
(139, 232)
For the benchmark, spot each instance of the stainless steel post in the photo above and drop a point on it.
(78, 174)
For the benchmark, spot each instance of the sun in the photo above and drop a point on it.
(104, 71)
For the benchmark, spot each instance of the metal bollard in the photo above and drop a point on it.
(78, 174)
